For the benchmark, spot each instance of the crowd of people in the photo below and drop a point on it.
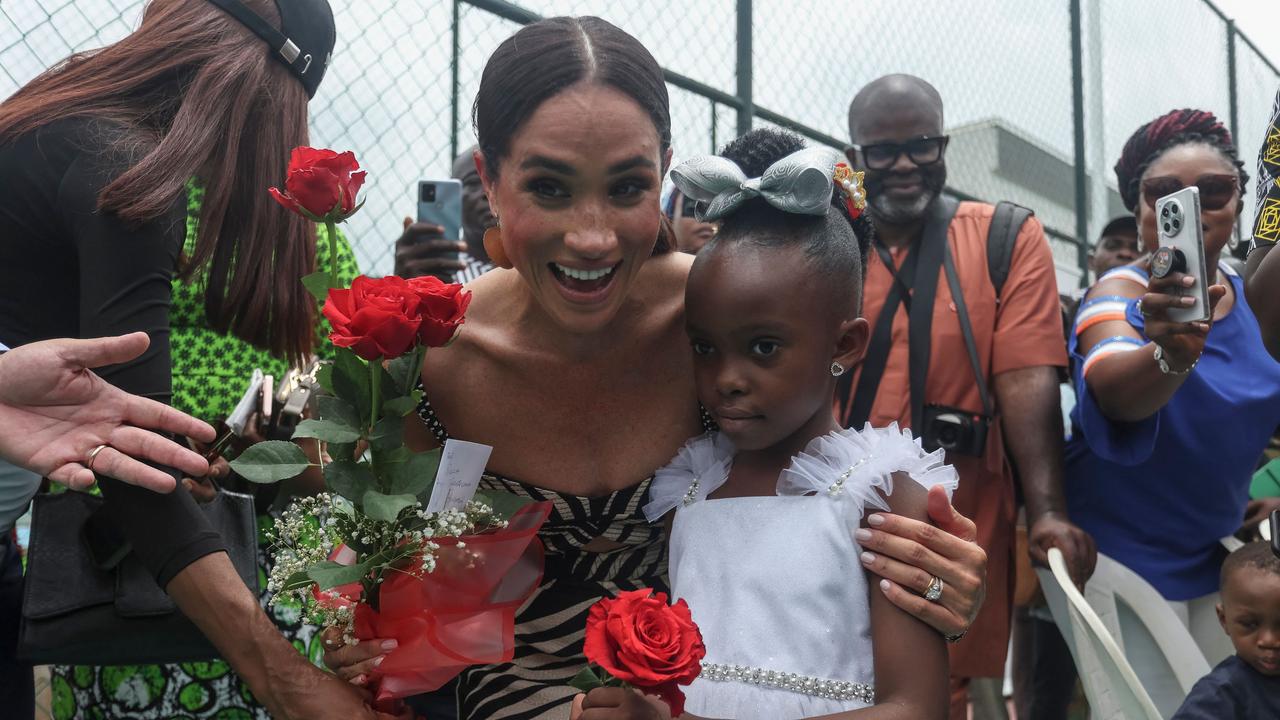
(883, 385)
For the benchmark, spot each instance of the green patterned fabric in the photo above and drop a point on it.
(210, 373)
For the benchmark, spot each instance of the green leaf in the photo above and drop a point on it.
(388, 433)
(329, 574)
(326, 430)
(271, 461)
(586, 680)
(351, 381)
(349, 479)
(297, 581)
(399, 407)
(416, 476)
(405, 371)
(386, 507)
(505, 504)
(324, 376)
(317, 283)
(342, 451)
(338, 410)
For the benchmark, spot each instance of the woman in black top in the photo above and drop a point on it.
(95, 157)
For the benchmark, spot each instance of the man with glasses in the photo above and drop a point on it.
(950, 347)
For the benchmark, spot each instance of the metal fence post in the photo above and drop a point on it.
(454, 89)
(1077, 111)
(1232, 86)
(747, 109)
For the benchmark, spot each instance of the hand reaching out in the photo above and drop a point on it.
(54, 411)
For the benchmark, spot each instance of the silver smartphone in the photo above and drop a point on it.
(440, 203)
(1182, 250)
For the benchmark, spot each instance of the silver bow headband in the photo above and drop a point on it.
(798, 183)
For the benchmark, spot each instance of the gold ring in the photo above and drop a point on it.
(93, 455)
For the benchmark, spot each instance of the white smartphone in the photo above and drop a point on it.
(1182, 250)
(440, 203)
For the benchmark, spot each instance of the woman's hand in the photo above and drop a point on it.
(614, 703)
(54, 411)
(1182, 342)
(1257, 511)
(908, 554)
(353, 663)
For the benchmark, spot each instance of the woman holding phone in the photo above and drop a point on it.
(1171, 416)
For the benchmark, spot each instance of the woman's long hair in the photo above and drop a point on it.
(201, 99)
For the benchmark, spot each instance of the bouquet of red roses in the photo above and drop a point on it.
(367, 556)
(638, 640)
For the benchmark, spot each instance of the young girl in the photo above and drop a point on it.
(763, 513)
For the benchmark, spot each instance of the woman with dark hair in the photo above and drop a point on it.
(100, 157)
(1171, 417)
(575, 365)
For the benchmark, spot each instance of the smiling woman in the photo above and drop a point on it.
(574, 364)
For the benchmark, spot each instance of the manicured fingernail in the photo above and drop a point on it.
(390, 644)
(378, 660)
(868, 558)
(1187, 301)
(1189, 280)
(359, 680)
(862, 534)
(884, 585)
(875, 519)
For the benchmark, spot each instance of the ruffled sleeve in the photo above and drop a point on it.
(856, 466)
(700, 467)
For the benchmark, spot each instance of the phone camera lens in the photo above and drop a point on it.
(1177, 223)
(1167, 228)
(428, 193)
(1164, 211)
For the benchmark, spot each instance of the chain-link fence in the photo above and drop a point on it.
(1040, 94)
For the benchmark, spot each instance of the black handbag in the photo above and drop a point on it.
(76, 612)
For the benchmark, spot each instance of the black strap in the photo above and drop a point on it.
(1002, 236)
(921, 266)
(903, 286)
(934, 248)
(966, 328)
(283, 48)
(878, 348)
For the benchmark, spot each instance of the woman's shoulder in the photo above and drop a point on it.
(1128, 281)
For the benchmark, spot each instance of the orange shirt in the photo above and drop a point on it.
(1024, 329)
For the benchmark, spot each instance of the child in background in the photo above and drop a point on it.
(1245, 686)
(762, 536)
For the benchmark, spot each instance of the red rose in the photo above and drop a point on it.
(376, 318)
(321, 184)
(443, 305)
(641, 640)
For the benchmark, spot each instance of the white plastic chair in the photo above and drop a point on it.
(1113, 689)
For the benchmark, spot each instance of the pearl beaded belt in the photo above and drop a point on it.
(804, 684)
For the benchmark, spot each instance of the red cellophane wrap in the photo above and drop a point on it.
(461, 614)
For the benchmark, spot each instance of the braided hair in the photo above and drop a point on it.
(1177, 127)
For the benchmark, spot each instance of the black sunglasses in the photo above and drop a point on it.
(924, 150)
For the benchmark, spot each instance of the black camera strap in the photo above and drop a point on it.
(922, 265)
(966, 328)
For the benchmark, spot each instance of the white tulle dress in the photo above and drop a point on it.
(774, 583)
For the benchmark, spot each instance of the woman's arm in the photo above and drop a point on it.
(1261, 286)
(1129, 386)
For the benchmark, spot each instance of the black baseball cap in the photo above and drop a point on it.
(1120, 224)
(304, 41)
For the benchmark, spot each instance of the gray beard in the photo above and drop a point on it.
(896, 212)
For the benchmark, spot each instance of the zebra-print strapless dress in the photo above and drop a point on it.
(551, 625)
